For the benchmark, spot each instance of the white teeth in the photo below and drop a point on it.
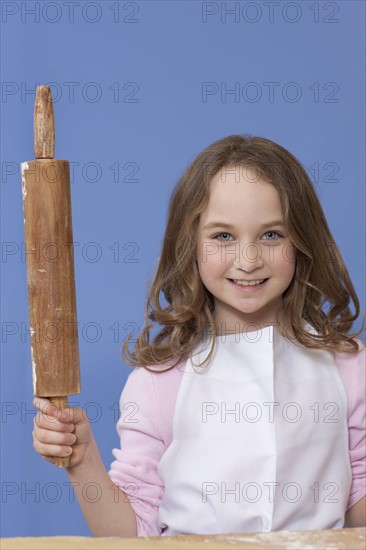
(248, 283)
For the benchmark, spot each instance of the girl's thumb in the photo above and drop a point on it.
(69, 414)
(72, 414)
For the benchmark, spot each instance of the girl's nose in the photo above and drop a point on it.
(248, 257)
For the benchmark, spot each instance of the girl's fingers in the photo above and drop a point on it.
(48, 437)
(51, 423)
(53, 427)
(52, 450)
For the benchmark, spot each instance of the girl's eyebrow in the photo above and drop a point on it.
(212, 225)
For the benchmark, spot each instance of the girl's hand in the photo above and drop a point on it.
(61, 433)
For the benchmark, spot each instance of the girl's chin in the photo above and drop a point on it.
(250, 317)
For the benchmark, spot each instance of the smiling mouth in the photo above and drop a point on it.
(256, 282)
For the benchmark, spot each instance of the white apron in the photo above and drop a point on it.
(260, 440)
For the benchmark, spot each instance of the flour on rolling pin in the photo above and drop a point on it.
(24, 166)
(50, 265)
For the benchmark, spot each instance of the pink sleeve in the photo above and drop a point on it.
(142, 446)
(352, 368)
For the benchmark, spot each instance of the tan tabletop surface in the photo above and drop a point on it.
(345, 539)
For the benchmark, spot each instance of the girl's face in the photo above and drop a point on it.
(242, 241)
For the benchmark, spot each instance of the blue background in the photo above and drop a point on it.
(167, 50)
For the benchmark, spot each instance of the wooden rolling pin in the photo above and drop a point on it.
(50, 265)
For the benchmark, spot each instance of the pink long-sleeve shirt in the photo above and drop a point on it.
(147, 406)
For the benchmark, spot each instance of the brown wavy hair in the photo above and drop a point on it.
(320, 278)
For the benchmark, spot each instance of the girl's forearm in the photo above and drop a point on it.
(356, 515)
(105, 506)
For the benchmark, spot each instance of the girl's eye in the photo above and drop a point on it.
(220, 234)
(272, 235)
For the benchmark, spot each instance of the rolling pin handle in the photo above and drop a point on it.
(44, 125)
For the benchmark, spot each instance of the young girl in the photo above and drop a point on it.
(246, 411)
